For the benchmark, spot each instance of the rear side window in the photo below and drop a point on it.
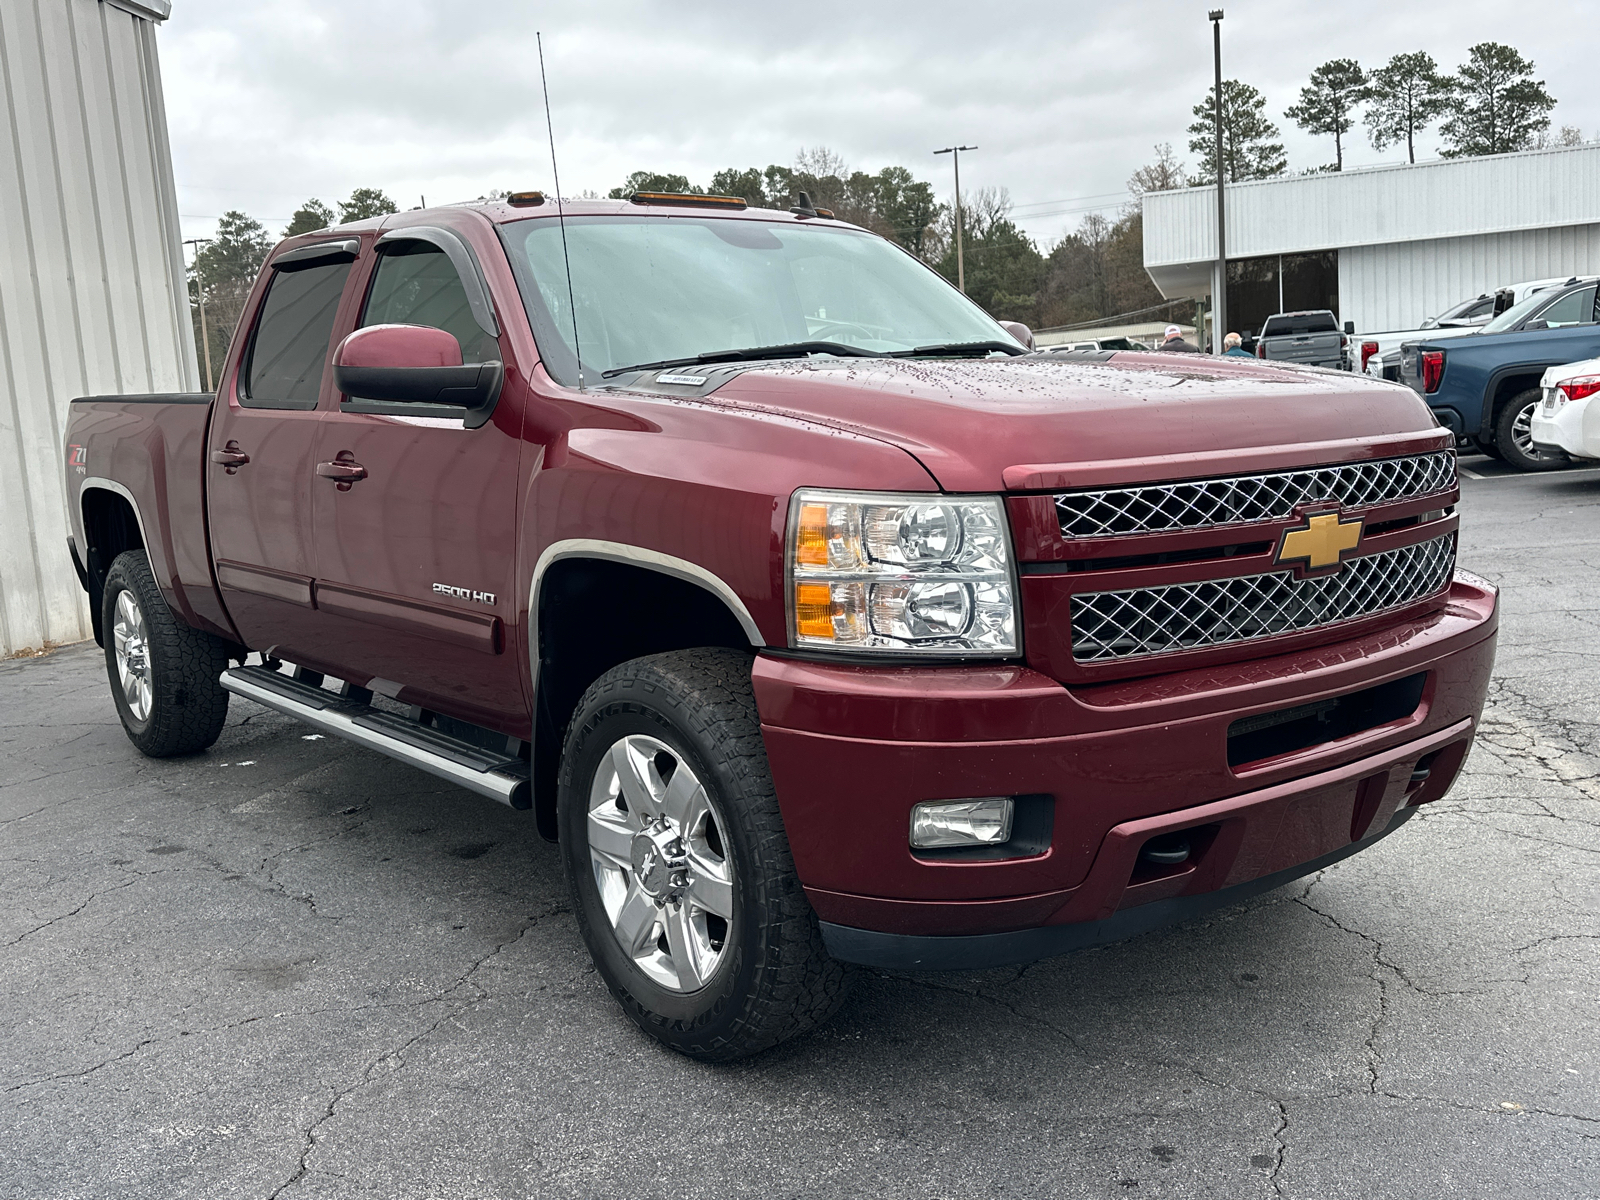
(290, 346)
(416, 284)
(1575, 308)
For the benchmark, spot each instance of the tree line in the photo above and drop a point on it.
(1491, 105)
(227, 265)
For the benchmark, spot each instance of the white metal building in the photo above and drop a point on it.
(93, 297)
(1384, 247)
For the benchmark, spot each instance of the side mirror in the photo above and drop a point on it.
(416, 364)
(1349, 328)
(1539, 323)
(1019, 331)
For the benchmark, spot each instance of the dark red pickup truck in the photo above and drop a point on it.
(820, 621)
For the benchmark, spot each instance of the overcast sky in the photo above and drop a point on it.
(273, 101)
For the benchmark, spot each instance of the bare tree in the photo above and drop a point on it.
(1163, 175)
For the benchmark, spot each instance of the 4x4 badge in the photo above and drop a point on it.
(1322, 542)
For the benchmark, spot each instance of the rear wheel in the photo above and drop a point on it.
(164, 675)
(683, 883)
(1513, 435)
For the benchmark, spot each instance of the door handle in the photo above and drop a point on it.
(343, 470)
(230, 458)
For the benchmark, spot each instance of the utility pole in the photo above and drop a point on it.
(200, 290)
(961, 266)
(1219, 290)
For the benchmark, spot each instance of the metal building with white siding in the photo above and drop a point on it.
(93, 296)
(1385, 247)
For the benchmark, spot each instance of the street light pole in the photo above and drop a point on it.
(961, 266)
(1219, 291)
(200, 290)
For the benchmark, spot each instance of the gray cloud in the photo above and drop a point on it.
(272, 101)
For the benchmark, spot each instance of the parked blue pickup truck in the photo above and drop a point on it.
(1485, 386)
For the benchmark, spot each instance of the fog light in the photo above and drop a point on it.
(985, 822)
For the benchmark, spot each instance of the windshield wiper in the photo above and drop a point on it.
(959, 350)
(788, 350)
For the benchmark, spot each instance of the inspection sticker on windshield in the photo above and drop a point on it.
(693, 380)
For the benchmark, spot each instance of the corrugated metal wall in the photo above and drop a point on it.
(1457, 197)
(1395, 287)
(92, 290)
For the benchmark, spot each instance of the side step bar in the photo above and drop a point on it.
(498, 776)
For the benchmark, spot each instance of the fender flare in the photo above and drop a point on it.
(638, 556)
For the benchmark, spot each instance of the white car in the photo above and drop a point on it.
(1568, 418)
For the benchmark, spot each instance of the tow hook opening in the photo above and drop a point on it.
(1176, 853)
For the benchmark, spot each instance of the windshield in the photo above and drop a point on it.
(1516, 314)
(649, 289)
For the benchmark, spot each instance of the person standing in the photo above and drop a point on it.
(1173, 341)
(1233, 346)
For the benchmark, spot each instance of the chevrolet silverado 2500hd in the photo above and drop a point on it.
(816, 619)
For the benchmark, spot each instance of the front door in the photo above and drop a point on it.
(416, 557)
(260, 457)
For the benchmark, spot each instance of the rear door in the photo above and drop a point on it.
(416, 560)
(258, 477)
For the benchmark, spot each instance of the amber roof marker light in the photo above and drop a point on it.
(689, 200)
(525, 199)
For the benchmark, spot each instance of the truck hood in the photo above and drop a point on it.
(1038, 423)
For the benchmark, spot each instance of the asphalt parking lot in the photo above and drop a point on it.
(292, 968)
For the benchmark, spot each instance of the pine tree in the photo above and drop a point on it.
(365, 203)
(309, 217)
(1327, 101)
(1499, 106)
(1248, 151)
(1404, 97)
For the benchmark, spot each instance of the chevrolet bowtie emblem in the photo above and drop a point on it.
(1321, 543)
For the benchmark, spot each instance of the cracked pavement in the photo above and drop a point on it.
(290, 968)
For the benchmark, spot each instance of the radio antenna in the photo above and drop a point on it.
(561, 215)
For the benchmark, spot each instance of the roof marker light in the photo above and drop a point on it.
(688, 201)
(525, 199)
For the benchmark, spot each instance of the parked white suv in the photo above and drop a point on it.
(1568, 418)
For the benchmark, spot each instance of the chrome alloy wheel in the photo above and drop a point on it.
(660, 863)
(1522, 435)
(131, 639)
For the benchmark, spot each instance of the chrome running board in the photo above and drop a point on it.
(501, 777)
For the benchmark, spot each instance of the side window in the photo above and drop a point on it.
(416, 284)
(290, 345)
(1575, 308)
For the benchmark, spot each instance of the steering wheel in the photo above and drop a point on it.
(826, 332)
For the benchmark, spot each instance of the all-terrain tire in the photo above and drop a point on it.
(186, 703)
(773, 979)
(1508, 437)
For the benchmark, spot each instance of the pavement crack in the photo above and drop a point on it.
(74, 912)
(1282, 1148)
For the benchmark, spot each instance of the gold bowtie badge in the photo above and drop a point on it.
(1324, 540)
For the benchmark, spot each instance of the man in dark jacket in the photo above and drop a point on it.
(1174, 341)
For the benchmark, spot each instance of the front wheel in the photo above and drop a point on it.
(1513, 435)
(164, 674)
(682, 879)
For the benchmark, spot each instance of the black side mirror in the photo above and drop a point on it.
(1537, 323)
(1349, 328)
(416, 364)
(1019, 331)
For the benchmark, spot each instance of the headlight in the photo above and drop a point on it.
(924, 574)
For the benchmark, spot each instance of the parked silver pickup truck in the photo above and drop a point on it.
(1311, 337)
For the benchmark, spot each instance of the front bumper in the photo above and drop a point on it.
(852, 749)
(1573, 428)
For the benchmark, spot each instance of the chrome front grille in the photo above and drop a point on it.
(1115, 626)
(1203, 503)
